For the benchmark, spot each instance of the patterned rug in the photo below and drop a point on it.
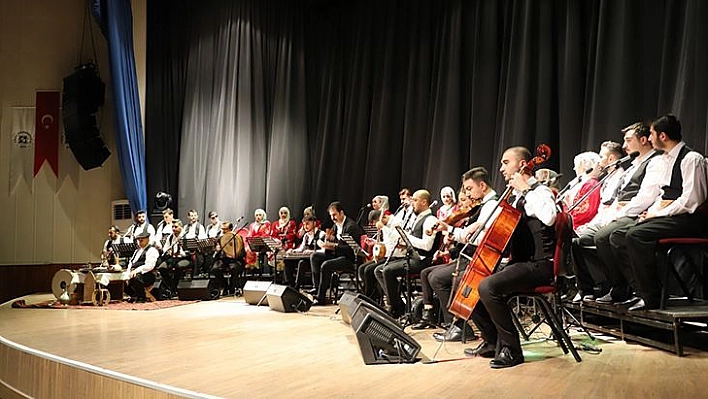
(53, 304)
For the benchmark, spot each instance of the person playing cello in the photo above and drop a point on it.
(531, 265)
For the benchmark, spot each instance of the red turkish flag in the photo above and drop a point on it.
(46, 131)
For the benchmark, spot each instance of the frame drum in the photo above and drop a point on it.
(63, 281)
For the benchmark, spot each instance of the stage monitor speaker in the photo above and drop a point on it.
(254, 291)
(381, 339)
(349, 302)
(286, 299)
(193, 290)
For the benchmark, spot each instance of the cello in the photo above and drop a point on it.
(489, 251)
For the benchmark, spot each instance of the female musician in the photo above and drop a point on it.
(447, 194)
(586, 210)
(284, 229)
(442, 255)
(258, 228)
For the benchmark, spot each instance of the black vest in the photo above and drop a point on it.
(675, 187)
(418, 233)
(631, 189)
(141, 259)
(532, 240)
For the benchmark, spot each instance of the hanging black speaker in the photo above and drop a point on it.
(83, 94)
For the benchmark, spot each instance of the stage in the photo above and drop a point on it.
(227, 348)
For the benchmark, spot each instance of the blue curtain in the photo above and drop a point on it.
(116, 21)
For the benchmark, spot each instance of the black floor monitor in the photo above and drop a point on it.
(381, 339)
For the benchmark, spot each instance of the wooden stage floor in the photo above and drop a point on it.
(227, 348)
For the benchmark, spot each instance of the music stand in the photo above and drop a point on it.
(411, 253)
(358, 251)
(190, 244)
(206, 244)
(125, 249)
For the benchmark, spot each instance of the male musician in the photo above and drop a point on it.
(164, 228)
(338, 255)
(109, 254)
(610, 151)
(141, 225)
(532, 250)
(141, 268)
(175, 260)
(633, 194)
(194, 229)
(438, 279)
(684, 187)
(387, 275)
(228, 259)
(214, 229)
(389, 239)
(308, 245)
(404, 209)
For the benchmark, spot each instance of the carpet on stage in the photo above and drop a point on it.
(54, 304)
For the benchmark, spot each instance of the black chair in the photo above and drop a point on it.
(664, 253)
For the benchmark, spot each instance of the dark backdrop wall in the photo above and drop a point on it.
(270, 103)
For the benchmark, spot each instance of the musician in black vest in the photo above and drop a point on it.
(387, 274)
(175, 260)
(164, 228)
(338, 255)
(141, 268)
(673, 214)
(438, 279)
(532, 248)
(311, 234)
(140, 225)
(597, 275)
(109, 254)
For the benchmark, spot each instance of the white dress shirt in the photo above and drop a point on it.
(694, 174)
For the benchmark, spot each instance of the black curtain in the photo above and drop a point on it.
(413, 93)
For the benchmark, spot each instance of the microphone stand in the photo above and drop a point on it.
(595, 187)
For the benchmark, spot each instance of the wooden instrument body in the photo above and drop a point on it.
(484, 260)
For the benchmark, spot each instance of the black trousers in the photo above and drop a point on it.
(137, 284)
(322, 266)
(587, 266)
(372, 289)
(612, 252)
(225, 265)
(294, 271)
(438, 279)
(387, 276)
(172, 270)
(641, 242)
(492, 314)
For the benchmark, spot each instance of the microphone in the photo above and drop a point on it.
(433, 204)
(240, 218)
(616, 163)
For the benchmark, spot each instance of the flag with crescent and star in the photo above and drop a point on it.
(46, 136)
(22, 152)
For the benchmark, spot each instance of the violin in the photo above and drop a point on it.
(458, 216)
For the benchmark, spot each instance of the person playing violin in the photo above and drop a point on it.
(477, 186)
(532, 249)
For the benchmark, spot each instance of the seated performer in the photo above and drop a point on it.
(258, 228)
(164, 228)
(439, 278)
(587, 209)
(307, 247)
(307, 213)
(141, 225)
(598, 269)
(388, 238)
(449, 203)
(378, 203)
(404, 209)
(228, 258)
(532, 249)
(284, 229)
(175, 260)
(387, 275)
(108, 255)
(684, 188)
(141, 268)
(610, 152)
(338, 255)
(194, 229)
(214, 230)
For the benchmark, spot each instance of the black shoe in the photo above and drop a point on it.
(485, 349)
(631, 301)
(312, 291)
(425, 322)
(506, 358)
(454, 334)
